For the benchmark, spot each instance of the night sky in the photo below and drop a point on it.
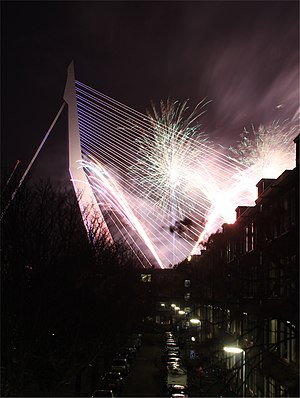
(242, 56)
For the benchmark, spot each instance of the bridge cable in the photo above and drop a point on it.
(32, 161)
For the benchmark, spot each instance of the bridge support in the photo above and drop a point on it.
(90, 210)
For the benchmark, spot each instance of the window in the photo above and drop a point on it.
(272, 387)
(246, 239)
(273, 331)
(249, 237)
(187, 283)
(226, 318)
(162, 306)
(293, 349)
(187, 296)
(283, 392)
(244, 325)
(230, 251)
(283, 340)
(275, 389)
(252, 382)
(146, 277)
(252, 236)
(287, 342)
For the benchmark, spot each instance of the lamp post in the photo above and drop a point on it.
(238, 350)
(173, 306)
(196, 322)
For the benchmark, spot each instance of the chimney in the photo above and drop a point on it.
(263, 184)
(296, 141)
(240, 210)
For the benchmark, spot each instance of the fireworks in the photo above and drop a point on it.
(161, 185)
(265, 153)
(168, 153)
(269, 149)
(262, 153)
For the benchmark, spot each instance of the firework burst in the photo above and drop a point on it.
(161, 184)
(168, 153)
(269, 148)
(262, 153)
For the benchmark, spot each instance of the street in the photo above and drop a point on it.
(146, 376)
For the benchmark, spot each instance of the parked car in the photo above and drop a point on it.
(135, 339)
(170, 343)
(128, 353)
(172, 347)
(174, 361)
(174, 351)
(103, 393)
(178, 389)
(132, 350)
(170, 340)
(166, 356)
(120, 365)
(112, 381)
(176, 376)
(123, 354)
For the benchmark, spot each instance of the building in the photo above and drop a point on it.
(244, 288)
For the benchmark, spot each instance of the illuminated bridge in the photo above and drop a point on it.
(155, 182)
(124, 170)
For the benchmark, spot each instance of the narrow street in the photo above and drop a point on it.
(146, 376)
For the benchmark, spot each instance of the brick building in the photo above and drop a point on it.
(245, 290)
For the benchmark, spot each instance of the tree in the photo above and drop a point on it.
(56, 283)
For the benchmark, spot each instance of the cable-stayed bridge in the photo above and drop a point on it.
(155, 182)
(149, 182)
(119, 186)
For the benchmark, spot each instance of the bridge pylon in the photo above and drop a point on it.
(92, 216)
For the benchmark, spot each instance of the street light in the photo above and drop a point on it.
(233, 350)
(195, 321)
(174, 316)
(238, 350)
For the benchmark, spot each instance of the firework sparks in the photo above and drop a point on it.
(262, 153)
(269, 148)
(163, 181)
(167, 158)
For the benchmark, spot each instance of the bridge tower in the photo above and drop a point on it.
(90, 210)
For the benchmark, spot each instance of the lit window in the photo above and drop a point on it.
(273, 331)
(249, 238)
(146, 277)
(246, 239)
